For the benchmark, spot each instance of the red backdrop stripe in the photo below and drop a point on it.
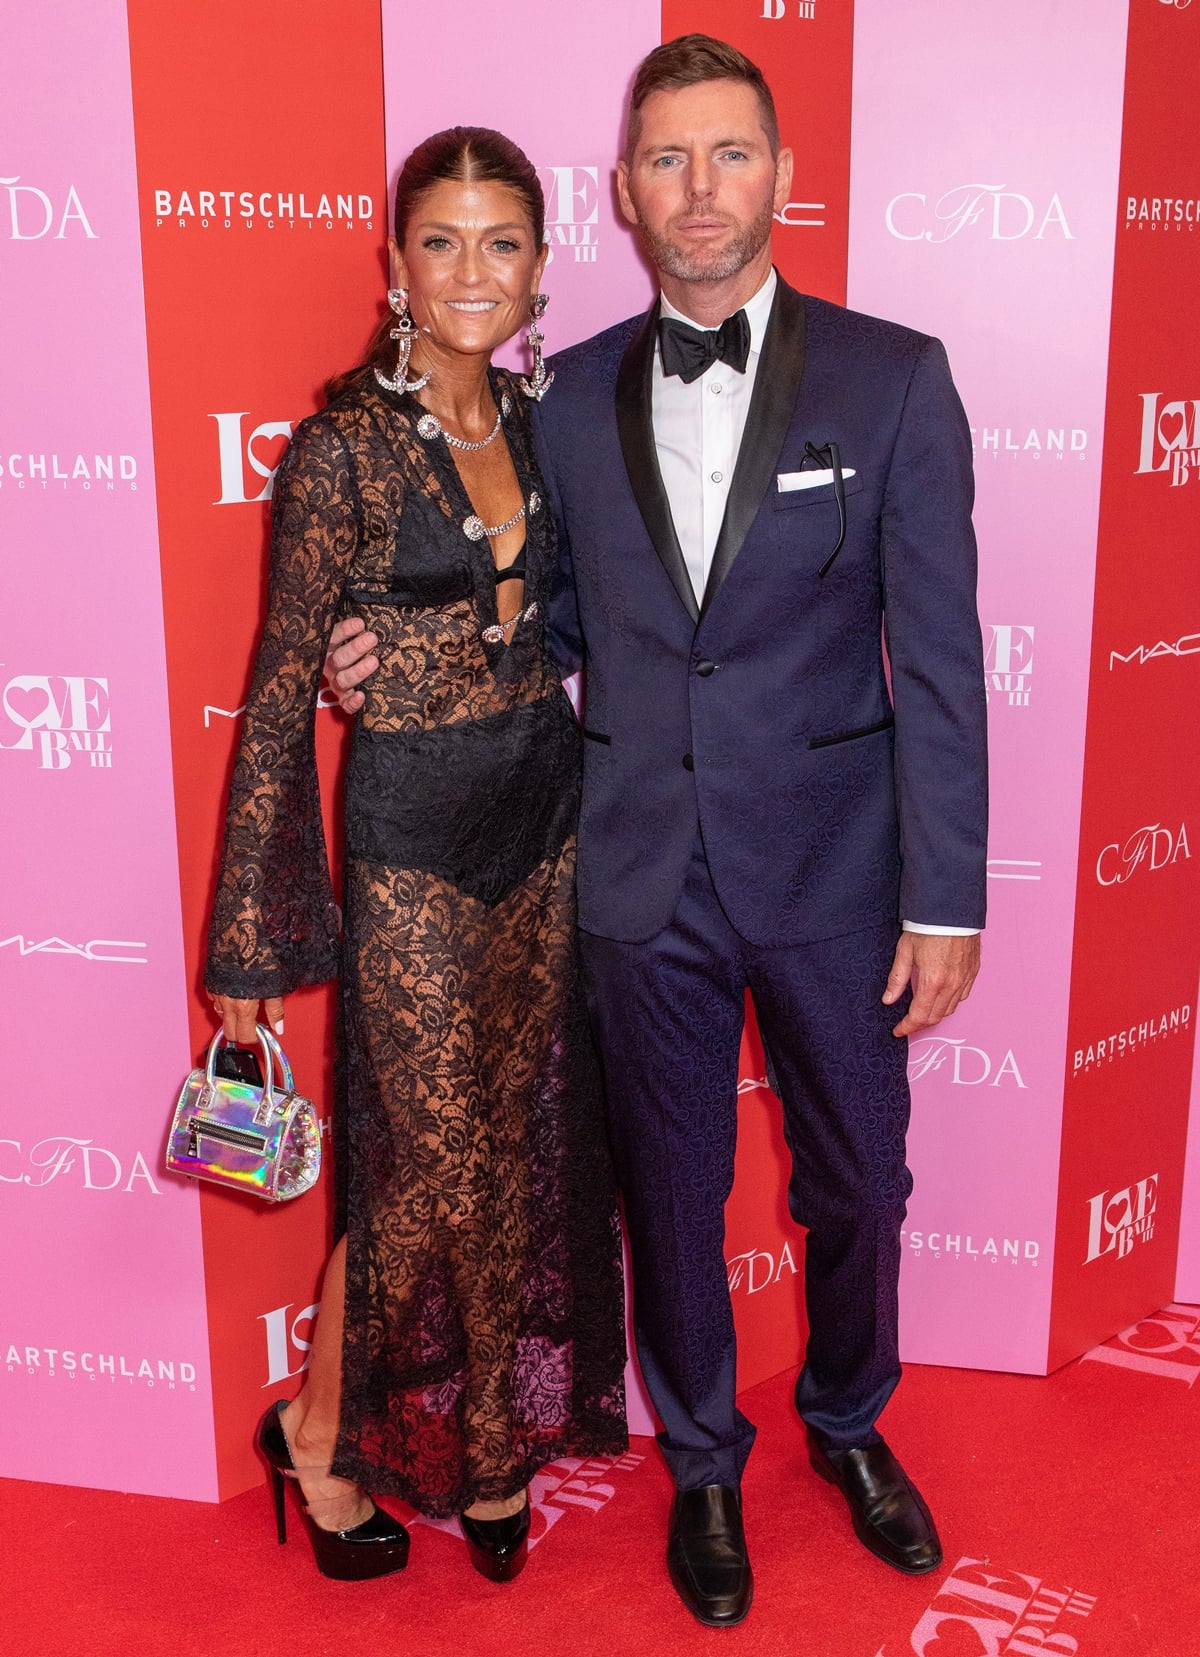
(1132, 1014)
(260, 162)
(805, 52)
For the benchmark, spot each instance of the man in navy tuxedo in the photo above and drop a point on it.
(757, 494)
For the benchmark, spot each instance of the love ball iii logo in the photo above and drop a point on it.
(289, 1341)
(1118, 1220)
(774, 11)
(572, 211)
(1166, 1345)
(1170, 438)
(563, 1489)
(1008, 664)
(58, 719)
(981, 1611)
(239, 450)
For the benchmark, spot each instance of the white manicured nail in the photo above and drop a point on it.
(279, 1028)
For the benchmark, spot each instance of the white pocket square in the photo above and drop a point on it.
(785, 481)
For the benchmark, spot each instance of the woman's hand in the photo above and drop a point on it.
(240, 1017)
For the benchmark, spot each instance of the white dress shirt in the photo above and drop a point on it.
(697, 435)
(698, 432)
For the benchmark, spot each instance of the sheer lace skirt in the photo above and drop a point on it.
(483, 1299)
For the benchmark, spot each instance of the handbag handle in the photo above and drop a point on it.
(272, 1053)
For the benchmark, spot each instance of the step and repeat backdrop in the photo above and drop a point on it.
(193, 211)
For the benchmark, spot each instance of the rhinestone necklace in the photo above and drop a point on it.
(475, 529)
(429, 427)
(495, 633)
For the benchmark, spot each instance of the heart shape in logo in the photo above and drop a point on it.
(28, 700)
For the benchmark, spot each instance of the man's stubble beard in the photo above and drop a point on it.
(696, 266)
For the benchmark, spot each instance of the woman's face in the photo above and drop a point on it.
(471, 266)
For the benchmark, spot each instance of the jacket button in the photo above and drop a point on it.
(705, 668)
(689, 763)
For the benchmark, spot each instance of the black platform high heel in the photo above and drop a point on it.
(498, 1547)
(375, 1548)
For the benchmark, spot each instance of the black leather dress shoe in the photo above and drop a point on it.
(887, 1509)
(706, 1555)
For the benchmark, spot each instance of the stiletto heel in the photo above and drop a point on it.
(498, 1547)
(375, 1548)
(280, 1509)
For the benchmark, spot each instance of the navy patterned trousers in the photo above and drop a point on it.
(668, 1015)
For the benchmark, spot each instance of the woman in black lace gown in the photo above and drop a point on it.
(482, 1332)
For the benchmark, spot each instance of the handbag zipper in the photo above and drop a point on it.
(236, 1137)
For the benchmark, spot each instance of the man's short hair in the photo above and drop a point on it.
(688, 61)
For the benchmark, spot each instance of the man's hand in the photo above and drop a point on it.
(942, 970)
(350, 661)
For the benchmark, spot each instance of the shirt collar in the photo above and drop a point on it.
(758, 311)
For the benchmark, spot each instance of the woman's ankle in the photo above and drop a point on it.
(490, 1511)
(311, 1438)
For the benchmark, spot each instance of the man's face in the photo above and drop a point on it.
(702, 183)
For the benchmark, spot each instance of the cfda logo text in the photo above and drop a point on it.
(964, 1066)
(34, 213)
(1151, 847)
(61, 1156)
(1002, 215)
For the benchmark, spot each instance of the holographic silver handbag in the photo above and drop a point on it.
(246, 1137)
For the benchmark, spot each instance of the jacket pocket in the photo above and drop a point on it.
(787, 500)
(852, 736)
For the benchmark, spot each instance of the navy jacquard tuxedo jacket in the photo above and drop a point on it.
(763, 712)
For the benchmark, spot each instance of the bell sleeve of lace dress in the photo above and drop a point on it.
(275, 923)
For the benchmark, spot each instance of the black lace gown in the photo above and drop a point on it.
(484, 1333)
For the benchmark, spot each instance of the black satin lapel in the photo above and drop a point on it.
(776, 390)
(634, 383)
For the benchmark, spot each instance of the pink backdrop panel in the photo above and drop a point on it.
(556, 85)
(983, 198)
(103, 1344)
(558, 90)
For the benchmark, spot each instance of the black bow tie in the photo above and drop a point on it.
(688, 351)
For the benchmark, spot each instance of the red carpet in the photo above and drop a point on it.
(1074, 1496)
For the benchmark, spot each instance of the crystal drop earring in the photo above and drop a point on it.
(405, 334)
(539, 382)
